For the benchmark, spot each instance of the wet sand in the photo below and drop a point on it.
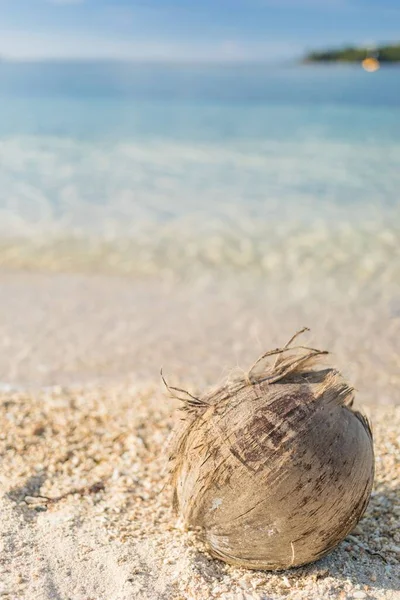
(63, 329)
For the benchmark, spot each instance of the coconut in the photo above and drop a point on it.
(274, 467)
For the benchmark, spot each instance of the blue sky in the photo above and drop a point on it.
(190, 30)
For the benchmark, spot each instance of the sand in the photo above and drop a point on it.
(85, 512)
(85, 504)
(61, 328)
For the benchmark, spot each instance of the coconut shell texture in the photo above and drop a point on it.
(273, 468)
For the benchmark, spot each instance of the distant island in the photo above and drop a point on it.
(353, 54)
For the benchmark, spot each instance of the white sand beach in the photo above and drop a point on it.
(85, 509)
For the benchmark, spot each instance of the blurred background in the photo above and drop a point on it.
(187, 183)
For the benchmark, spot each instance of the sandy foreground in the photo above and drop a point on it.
(85, 504)
(85, 512)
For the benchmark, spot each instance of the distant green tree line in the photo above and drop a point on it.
(389, 54)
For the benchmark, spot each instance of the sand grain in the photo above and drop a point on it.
(85, 513)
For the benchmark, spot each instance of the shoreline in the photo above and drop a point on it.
(72, 329)
(230, 244)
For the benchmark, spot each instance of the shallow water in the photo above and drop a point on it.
(115, 149)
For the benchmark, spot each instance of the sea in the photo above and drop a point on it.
(150, 164)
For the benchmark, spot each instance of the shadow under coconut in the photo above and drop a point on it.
(367, 559)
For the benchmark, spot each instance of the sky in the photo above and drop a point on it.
(190, 30)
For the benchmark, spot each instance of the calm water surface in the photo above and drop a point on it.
(111, 147)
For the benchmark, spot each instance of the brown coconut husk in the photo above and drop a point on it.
(274, 467)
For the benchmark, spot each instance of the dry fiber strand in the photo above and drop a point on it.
(274, 467)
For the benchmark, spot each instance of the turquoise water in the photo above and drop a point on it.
(114, 148)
